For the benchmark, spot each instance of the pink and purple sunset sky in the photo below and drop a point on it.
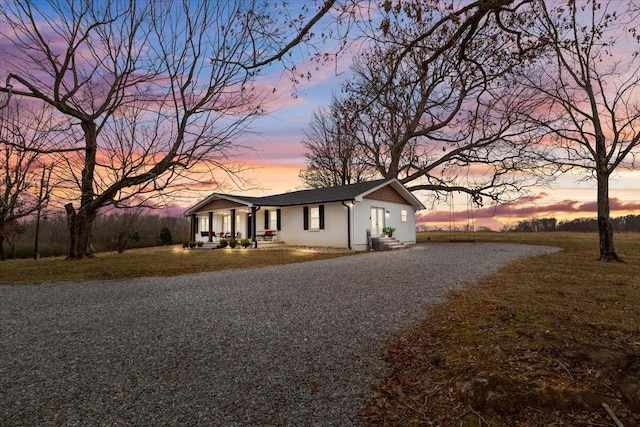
(277, 157)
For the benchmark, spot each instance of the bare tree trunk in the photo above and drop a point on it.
(80, 224)
(123, 235)
(2, 248)
(605, 230)
(127, 222)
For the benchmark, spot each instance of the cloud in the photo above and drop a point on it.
(565, 207)
(522, 209)
(491, 223)
(316, 76)
(172, 210)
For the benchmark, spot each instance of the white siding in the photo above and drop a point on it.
(334, 234)
(405, 231)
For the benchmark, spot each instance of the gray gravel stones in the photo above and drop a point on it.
(290, 345)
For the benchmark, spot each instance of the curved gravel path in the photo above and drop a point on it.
(290, 345)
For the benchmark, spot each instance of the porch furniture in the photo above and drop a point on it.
(214, 236)
(267, 235)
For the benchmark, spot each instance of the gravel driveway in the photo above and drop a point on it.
(290, 345)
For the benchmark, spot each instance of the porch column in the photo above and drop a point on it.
(233, 223)
(253, 226)
(192, 236)
(210, 226)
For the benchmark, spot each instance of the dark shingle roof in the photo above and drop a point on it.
(316, 195)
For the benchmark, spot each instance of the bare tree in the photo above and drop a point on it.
(128, 221)
(428, 119)
(589, 84)
(334, 157)
(445, 27)
(26, 135)
(154, 89)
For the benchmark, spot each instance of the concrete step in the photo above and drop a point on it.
(386, 244)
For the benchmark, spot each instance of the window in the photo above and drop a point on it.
(314, 218)
(403, 215)
(272, 220)
(226, 223)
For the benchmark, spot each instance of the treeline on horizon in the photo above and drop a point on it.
(128, 230)
(112, 232)
(621, 224)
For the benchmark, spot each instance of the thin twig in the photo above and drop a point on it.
(408, 405)
(481, 417)
(615, 419)
(591, 423)
(563, 366)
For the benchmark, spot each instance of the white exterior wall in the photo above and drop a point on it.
(335, 227)
(335, 219)
(405, 231)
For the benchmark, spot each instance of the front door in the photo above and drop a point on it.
(377, 221)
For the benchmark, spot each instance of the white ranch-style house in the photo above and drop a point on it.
(350, 216)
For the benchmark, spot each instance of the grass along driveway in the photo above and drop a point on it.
(149, 262)
(545, 341)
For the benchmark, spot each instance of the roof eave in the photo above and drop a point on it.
(417, 204)
(397, 185)
(212, 197)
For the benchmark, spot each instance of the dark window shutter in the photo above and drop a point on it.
(278, 219)
(305, 219)
(233, 223)
(266, 219)
(321, 209)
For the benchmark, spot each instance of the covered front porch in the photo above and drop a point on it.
(222, 218)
